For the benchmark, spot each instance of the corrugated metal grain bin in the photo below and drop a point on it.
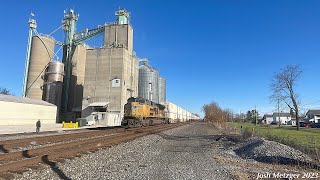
(162, 90)
(148, 86)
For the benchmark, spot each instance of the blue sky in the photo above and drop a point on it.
(220, 50)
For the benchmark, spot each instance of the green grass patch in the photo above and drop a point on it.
(305, 138)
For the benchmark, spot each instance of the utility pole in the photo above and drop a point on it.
(231, 116)
(279, 112)
(255, 112)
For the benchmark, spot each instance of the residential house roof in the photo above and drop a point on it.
(267, 115)
(313, 111)
(282, 114)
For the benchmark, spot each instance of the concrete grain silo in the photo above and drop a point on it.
(42, 49)
(78, 63)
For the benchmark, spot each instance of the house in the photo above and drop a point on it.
(284, 117)
(313, 115)
(293, 121)
(267, 119)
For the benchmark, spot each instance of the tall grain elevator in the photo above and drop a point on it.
(85, 76)
(111, 72)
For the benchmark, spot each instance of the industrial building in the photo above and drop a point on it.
(91, 83)
(108, 77)
(111, 73)
(86, 75)
(23, 111)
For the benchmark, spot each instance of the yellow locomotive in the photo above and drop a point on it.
(141, 112)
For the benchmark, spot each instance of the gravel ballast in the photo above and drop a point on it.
(181, 153)
(263, 150)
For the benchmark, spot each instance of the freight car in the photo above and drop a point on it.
(142, 112)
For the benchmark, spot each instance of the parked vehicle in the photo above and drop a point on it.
(307, 125)
(315, 125)
(301, 124)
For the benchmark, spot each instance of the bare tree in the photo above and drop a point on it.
(5, 91)
(283, 87)
(229, 114)
(215, 115)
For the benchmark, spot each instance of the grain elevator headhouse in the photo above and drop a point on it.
(111, 74)
(120, 34)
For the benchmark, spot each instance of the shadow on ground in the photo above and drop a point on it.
(26, 154)
(213, 138)
(3, 149)
(54, 167)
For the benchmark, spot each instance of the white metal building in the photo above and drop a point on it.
(23, 111)
(97, 113)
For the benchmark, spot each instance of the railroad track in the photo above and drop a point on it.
(22, 160)
(11, 144)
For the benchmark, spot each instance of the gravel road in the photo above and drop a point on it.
(181, 153)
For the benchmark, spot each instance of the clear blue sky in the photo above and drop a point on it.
(226, 51)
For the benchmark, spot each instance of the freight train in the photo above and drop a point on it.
(142, 112)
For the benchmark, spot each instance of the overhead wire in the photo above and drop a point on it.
(55, 30)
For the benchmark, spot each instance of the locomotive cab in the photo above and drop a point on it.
(142, 112)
